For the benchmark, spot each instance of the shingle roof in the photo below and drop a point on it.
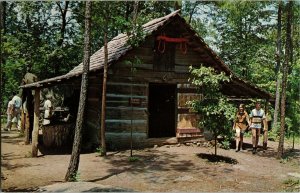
(118, 47)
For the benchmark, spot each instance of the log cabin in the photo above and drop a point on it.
(148, 85)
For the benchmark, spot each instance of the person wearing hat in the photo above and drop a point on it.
(240, 126)
(257, 120)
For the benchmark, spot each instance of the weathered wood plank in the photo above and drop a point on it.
(185, 110)
(124, 103)
(127, 84)
(94, 93)
(187, 90)
(125, 96)
(121, 89)
(183, 98)
(182, 68)
(188, 121)
(113, 125)
(126, 114)
(136, 67)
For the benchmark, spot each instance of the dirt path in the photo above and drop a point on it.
(166, 168)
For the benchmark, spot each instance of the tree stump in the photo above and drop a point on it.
(58, 135)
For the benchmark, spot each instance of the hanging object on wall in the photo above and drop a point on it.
(162, 39)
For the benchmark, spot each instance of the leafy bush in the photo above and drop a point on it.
(133, 159)
(216, 111)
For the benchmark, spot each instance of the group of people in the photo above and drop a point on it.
(18, 106)
(15, 107)
(256, 122)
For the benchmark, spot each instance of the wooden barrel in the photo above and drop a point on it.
(58, 134)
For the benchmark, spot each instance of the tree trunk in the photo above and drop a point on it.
(191, 13)
(135, 13)
(3, 16)
(74, 161)
(293, 147)
(63, 13)
(277, 68)
(215, 144)
(103, 103)
(35, 132)
(284, 79)
(2, 32)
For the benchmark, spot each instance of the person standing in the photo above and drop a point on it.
(17, 104)
(28, 105)
(48, 110)
(29, 77)
(257, 120)
(240, 126)
(10, 114)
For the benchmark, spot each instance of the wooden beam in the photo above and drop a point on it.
(35, 132)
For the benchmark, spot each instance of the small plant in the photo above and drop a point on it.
(100, 151)
(133, 159)
(284, 160)
(225, 144)
(291, 182)
(75, 177)
(291, 185)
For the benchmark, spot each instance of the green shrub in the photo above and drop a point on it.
(133, 159)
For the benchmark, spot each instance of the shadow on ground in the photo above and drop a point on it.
(16, 189)
(151, 162)
(217, 158)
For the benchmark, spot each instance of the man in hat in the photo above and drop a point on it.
(257, 121)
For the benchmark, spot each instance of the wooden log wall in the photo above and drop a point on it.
(120, 115)
(93, 111)
(187, 118)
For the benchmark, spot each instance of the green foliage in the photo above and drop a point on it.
(133, 159)
(216, 112)
(291, 182)
(133, 63)
(32, 31)
(291, 185)
(100, 151)
(75, 177)
(226, 144)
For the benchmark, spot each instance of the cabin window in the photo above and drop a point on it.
(164, 59)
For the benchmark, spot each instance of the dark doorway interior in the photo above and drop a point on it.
(162, 103)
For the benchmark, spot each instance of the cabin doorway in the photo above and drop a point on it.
(162, 104)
